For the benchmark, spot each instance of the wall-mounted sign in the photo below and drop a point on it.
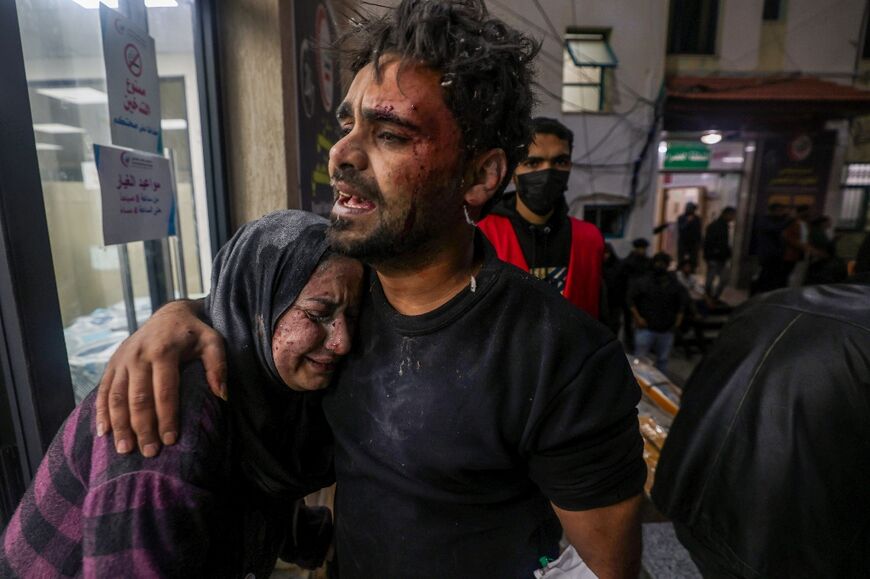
(318, 95)
(131, 82)
(795, 170)
(687, 155)
(137, 195)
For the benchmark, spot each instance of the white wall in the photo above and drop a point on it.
(822, 35)
(739, 34)
(638, 38)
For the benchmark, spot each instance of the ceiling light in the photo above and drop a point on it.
(56, 129)
(48, 147)
(663, 147)
(749, 148)
(732, 159)
(711, 137)
(77, 95)
(173, 124)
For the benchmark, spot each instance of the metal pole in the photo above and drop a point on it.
(180, 272)
(127, 287)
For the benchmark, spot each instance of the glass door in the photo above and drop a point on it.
(63, 58)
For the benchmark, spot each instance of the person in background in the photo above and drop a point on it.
(226, 500)
(634, 267)
(825, 265)
(770, 249)
(658, 303)
(532, 230)
(717, 253)
(637, 263)
(689, 235)
(688, 280)
(765, 468)
(615, 285)
(797, 247)
(697, 306)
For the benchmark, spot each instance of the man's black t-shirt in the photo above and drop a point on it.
(455, 429)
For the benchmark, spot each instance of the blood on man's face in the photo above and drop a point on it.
(396, 171)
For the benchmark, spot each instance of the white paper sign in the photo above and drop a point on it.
(132, 83)
(137, 193)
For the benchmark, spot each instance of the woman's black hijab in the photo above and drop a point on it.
(279, 436)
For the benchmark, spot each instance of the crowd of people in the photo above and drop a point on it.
(795, 248)
(437, 350)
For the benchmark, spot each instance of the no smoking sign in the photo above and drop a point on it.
(133, 59)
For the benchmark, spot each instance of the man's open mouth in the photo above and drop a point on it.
(355, 202)
(350, 204)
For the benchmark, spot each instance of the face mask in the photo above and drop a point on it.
(541, 190)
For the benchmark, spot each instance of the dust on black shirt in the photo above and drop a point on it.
(455, 429)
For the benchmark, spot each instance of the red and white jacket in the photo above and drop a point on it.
(583, 283)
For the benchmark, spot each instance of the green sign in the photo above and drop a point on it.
(687, 156)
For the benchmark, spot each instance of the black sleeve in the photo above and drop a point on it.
(584, 448)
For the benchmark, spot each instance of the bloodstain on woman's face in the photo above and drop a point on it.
(315, 332)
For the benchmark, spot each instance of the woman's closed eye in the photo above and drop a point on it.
(321, 317)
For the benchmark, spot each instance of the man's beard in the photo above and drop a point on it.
(405, 228)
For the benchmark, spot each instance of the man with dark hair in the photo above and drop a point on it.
(717, 252)
(765, 469)
(658, 303)
(531, 227)
(482, 409)
(689, 235)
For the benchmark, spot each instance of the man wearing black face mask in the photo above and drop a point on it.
(532, 230)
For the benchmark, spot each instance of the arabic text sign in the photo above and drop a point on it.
(132, 82)
(137, 193)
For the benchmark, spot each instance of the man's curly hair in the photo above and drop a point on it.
(485, 65)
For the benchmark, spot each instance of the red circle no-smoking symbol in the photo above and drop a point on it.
(133, 59)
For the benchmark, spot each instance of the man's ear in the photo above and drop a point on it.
(486, 174)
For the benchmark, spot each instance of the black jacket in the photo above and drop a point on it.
(716, 247)
(659, 299)
(766, 471)
(688, 231)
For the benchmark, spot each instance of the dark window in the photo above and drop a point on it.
(772, 9)
(610, 219)
(692, 26)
